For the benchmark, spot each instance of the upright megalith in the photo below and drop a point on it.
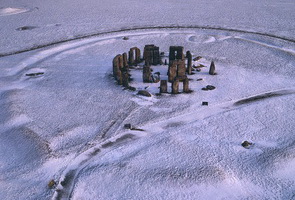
(147, 74)
(181, 69)
(163, 86)
(117, 67)
(131, 57)
(212, 69)
(175, 86)
(125, 60)
(175, 53)
(125, 78)
(176, 70)
(151, 54)
(189, 62)
(186, 85)
(134, 56)
(172, 71)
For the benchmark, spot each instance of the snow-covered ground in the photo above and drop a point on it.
(67, 124)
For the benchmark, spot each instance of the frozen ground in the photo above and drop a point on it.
(67, 124)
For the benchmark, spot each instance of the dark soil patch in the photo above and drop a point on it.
(259, 98)
(26, 28)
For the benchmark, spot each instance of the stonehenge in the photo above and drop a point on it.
(179, 68)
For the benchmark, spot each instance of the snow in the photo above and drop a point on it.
(67, 124)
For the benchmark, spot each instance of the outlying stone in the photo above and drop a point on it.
(212, 69)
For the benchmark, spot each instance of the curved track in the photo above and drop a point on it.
(146, 28)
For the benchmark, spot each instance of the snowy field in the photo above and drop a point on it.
(67, 124)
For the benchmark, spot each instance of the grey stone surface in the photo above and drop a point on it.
(163, 86)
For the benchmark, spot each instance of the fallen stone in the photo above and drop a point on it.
(197, 58)
(205, 103)
(199, 79)
(131, 88)
(125, 38)
(144, 93)
(246, 144)
(209, 87)
(198, 66)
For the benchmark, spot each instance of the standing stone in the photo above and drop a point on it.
(131, 57)
(117, 67)
(212, 69)
(175, 86)
(181, 69)
(125, 60)
(125, 79)
(175, 53)
(163, 86)
(186, 86)
(189, 62)
(156, 56)
(147, 74)
(137, 55)
(172, 71)
(151, 54)
(134, 56)
(165, 62)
